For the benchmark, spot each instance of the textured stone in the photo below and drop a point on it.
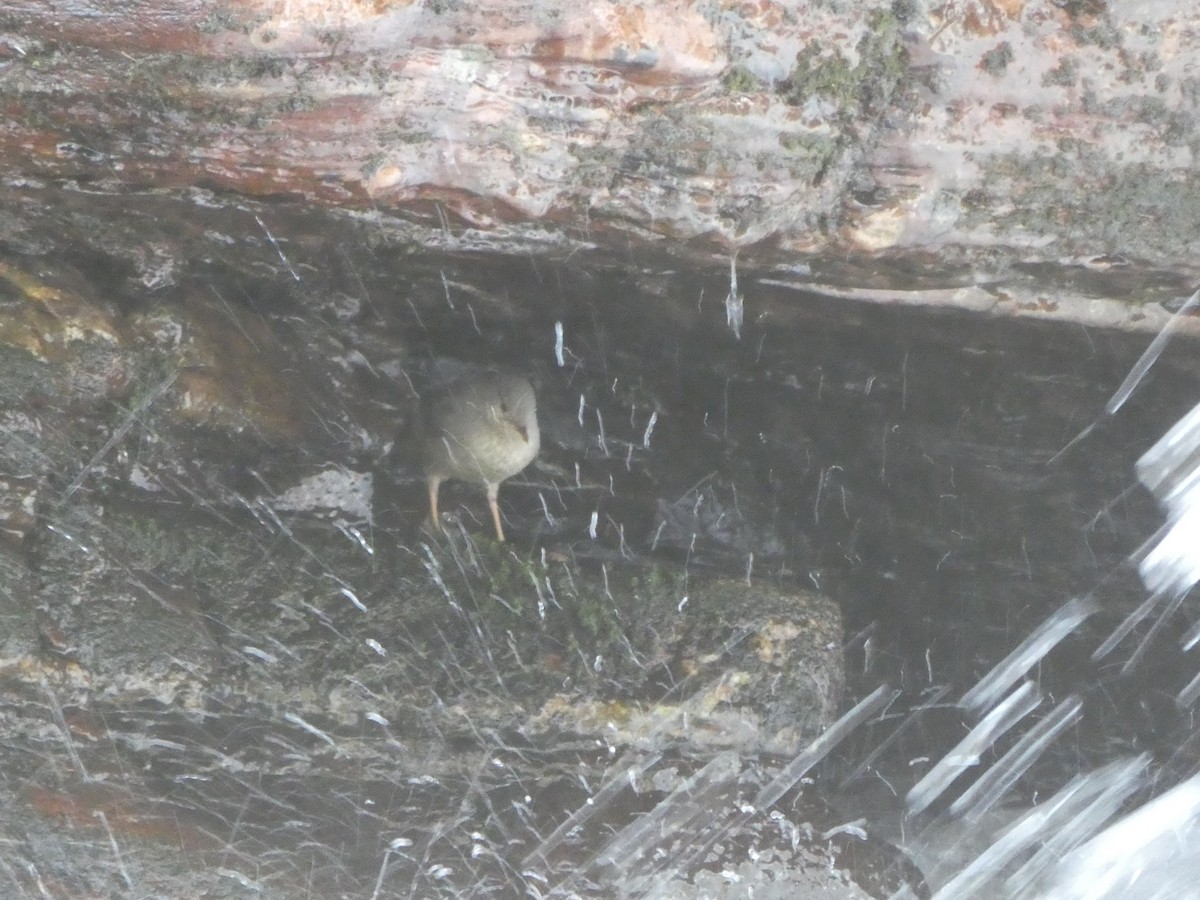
(979, 130)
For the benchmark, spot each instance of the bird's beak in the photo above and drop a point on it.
(524, 432)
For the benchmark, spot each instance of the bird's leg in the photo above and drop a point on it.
(492, 491)
(434, 484)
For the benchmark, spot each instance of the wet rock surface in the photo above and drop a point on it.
(230, 641)
(195, 674)
(237, 663)
(233, 652)
(237, 244)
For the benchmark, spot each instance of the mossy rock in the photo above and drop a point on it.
(439, 634)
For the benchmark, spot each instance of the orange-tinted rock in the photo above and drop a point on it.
(44, 318)
(232, 368)
(112, 810)
(666, 40)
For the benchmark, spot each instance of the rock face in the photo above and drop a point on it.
(989, 134)
(234, 243)
(203, 595)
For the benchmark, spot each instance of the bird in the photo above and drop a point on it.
(481, 427)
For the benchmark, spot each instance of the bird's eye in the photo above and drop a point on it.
(504, 407)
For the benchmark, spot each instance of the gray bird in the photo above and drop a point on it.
(482, 428)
